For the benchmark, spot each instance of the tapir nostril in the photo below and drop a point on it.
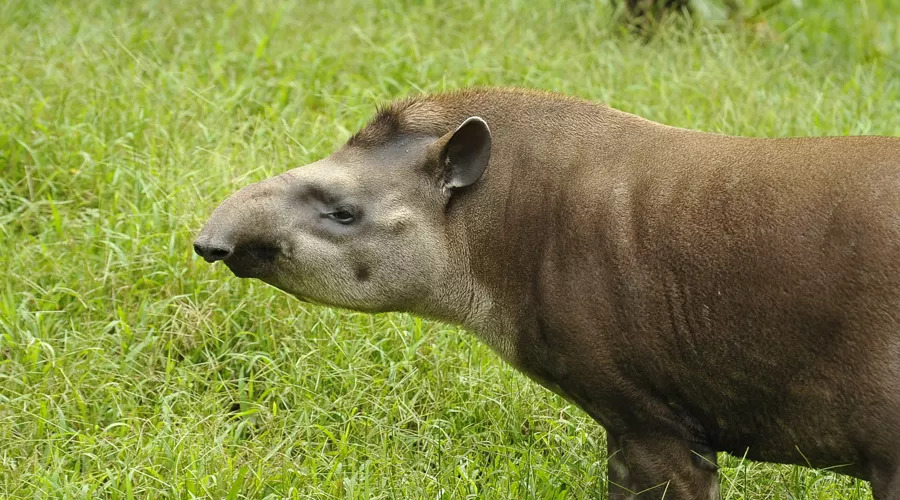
(212, 252)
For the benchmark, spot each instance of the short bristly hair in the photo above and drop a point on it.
(421, 115)
(436, 114)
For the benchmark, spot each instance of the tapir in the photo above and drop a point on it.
(692, 292)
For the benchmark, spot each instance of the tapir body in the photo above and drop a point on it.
(692, 292)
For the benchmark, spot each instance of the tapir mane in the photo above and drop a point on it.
(437, 114)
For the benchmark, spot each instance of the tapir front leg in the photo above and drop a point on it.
(618, 479)
(886, 483)
(654, 466)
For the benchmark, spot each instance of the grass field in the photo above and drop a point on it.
(131, 369)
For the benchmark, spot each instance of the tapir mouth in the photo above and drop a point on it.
(253, 261)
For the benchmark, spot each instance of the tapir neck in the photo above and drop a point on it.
(508, 218)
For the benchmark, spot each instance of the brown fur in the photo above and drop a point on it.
(692, 292)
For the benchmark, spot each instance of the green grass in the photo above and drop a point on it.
(129, 368)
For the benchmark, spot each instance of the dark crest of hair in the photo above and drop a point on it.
(436, 114)
(432, 115)
(385, 124)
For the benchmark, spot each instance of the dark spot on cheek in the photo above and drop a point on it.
(401, 226)
(362, 272)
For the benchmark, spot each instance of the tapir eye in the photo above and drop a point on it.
(343, 215)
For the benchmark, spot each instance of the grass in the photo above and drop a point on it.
(129, 369)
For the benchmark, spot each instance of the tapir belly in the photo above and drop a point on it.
(839, 407)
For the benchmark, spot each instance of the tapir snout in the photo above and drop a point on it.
(244, 231)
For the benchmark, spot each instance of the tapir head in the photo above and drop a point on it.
(364, 228)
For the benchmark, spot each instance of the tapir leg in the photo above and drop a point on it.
(654, 466)
(618, 480)
(886, 484)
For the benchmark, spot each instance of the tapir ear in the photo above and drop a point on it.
(465, 153)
